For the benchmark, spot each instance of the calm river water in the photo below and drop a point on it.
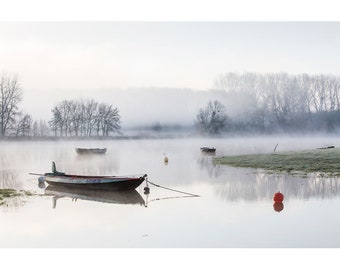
(235, 207)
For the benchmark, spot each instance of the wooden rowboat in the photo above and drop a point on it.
(91, 150)
(98, 182)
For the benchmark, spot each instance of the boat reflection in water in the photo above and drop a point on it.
(104, 196)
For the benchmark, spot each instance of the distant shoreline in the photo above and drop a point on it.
(91, 138)
(71, 138)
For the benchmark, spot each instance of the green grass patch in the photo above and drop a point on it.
(325, 161)
(6, 193)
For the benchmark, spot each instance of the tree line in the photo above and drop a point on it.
(84, 118)
(248, 102)
(69, 117)
(273, 102)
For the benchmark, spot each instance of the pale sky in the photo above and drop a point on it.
(61, 60)
(88, 55)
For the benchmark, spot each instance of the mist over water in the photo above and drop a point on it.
(230, 198)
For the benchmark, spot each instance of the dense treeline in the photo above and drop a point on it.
(279, 102)
(84, 118)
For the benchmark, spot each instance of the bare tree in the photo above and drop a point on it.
(332, 86)
(90, 115)
(40, 129)
(75, 116)
(318, 93)
(111, 121)
(10, 96)
(56, 121)
(65, 109)
(24, 125)
(84, 118)
(212, 120)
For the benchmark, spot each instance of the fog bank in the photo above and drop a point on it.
(137, 106)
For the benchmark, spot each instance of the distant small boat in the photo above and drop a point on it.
(89, 194)
(208, 150)
(327, 147)
(91, 150)
(98, 182)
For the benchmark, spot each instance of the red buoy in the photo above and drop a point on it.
(278, 197)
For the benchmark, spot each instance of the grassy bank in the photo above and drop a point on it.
(10, 193)
(312, 161)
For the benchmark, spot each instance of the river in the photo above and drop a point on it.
(234, 208)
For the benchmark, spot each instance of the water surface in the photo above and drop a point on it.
(235, 207)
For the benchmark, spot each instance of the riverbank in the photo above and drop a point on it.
(6, 193)
(326, 161)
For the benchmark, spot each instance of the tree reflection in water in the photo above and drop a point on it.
(8, 176)
(205, 163)
(235, 184)
(261, 185)
(9, 180)
(13, 202)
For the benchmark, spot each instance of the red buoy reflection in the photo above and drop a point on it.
(278, 206)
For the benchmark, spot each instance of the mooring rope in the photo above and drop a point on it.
(194, 195)
(174, 197)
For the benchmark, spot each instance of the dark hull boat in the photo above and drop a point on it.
(327, 147)
(96, 182)
(208, 150)
(91, 150)
(89, 194)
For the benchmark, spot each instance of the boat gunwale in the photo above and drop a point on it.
(87, 177)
